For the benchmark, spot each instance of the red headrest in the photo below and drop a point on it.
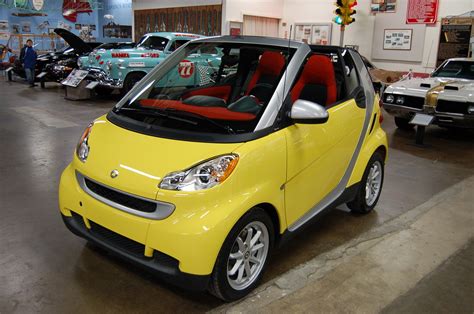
(317, 70)
(271, 63)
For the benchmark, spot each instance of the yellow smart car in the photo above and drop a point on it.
(201, 170)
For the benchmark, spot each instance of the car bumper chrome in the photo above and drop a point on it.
(104, 80)
(441, 118)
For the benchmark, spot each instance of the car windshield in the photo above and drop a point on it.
(209, 88)
(456, 69)
(153, 42)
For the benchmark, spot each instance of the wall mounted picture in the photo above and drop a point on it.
(397, 39)
(313, 33)
(26, 27)
(383, 6)
(15, 28)
(3, 25)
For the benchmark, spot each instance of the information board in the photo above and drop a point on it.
(422, 11)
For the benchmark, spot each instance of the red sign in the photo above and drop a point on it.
(234, 31)
(186, 68)
(422, 11)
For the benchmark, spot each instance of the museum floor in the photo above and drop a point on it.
(428, 194)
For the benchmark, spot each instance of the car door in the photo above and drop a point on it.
(319, 154)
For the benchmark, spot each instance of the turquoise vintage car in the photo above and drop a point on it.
(123, 68)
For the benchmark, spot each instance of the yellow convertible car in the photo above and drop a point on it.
(199, 183)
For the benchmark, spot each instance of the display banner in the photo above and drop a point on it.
(422, 11)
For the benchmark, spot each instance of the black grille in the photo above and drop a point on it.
(452, 106)
(414, 102)
(122, 243)
(120, 198)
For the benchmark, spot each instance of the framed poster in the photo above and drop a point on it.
(321, 34)
(397, 39)
(383, 6)
(422, 11)
(303, 33)
(313, 33)
(236, 28)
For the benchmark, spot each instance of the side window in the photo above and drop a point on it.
(352, 78)
(176, 44)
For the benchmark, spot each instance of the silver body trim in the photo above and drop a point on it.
(334, 194)
(162, 211)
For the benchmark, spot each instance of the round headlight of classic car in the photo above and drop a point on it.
(108, 65)
(79, 62)
(390, 99)
(470, 109)
(400, 100)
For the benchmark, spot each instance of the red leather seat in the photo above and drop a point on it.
(317, 82)
(268, 70)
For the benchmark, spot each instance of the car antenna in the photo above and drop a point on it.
(287, 63)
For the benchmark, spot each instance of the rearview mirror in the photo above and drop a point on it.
(308, 112)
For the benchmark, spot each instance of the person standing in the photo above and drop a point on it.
(29, 62)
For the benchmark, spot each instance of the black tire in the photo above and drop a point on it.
(219, 283)
(130, 81)
(360, 204)
(403, 123)
(103, 91)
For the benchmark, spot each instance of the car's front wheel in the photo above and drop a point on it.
(243, 256)
(403, 123)
(370, 186)
(130, 81)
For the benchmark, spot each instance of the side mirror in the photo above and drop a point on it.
(307, 112)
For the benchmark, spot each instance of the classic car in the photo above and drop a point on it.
(199, 183)
(55, 66)
(123, 68)
(447, 95)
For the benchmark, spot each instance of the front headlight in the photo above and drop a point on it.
(201, 177)
(470, 109)
(82, 149)
(400, 100)
(108, 65)
(390, 99)
(79, 62)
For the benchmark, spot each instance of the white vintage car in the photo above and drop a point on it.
(447, 95)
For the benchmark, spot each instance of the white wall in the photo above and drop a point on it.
(322, 11)
(430, 50)
(234, 10)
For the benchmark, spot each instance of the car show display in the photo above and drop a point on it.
(447, 96)
(236, 156)
(123, 68)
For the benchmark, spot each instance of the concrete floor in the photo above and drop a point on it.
(44, 268)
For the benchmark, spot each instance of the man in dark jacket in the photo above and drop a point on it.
(29, 62)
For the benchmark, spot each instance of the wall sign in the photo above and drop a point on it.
(397, 39)
(422, 11)
(383, 6)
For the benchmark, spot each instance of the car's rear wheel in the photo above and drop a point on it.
(370, 186)
(403, 123)
(130, 81)
(243, 256)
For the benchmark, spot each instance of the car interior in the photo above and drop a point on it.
(246, 81)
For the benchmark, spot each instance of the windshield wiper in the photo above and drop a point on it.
(200, 117)
(154, 113)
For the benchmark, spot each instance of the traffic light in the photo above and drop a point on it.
(344, 12)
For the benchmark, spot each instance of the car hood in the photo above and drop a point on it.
(141, 160)
(74, 41)
(460, 89)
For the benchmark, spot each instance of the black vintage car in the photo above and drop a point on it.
(56, 66)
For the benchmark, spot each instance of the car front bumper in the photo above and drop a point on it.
(441, 118)
(159, 264)
(104, 79)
